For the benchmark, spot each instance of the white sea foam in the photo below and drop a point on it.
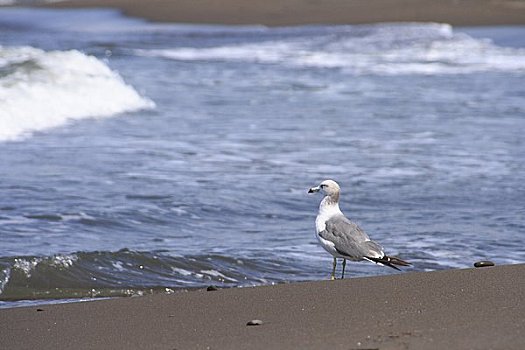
(219, 275)
(182, 272)
(63, 261)
(44, 89)
(118, 265)
(26, 266)
(381, 49)
(4, 279)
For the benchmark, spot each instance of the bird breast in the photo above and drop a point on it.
(325, 213)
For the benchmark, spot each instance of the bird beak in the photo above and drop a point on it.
(314, 189)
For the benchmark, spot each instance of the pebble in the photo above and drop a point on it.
(39, 309)
(483, 263)
(211, 288)
(254, 323)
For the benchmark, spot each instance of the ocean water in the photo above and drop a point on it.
(144, 158)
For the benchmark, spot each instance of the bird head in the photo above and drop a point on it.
(327, 187)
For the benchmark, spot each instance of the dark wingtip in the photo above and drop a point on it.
(390, 261)
(397, 261)
(392, 266)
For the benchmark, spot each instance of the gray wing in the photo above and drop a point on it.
(349, 239)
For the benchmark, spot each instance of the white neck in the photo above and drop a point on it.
(329, 207)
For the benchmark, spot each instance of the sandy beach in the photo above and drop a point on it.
(454, 309)
(297, 12)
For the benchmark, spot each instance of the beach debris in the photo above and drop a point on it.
(212, 288)
(39, 309)
(254, 323)
(483, 263)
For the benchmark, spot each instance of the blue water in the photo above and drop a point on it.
(203, 178)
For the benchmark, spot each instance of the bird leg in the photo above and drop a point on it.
(332, 277)
(344, 265)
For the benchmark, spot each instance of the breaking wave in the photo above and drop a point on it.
(129, 273)
(383, 49)
(44, 89)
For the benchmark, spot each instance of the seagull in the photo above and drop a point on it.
(343, 238)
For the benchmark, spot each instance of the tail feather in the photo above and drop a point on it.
(390, 261)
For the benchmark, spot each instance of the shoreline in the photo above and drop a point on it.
(304, 12)
(453, 309)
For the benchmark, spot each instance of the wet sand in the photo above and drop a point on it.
(297, 12)
(456, 309)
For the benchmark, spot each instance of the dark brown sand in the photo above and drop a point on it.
(295, 12)
(455, 309)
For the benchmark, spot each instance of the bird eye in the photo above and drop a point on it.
(323, 185)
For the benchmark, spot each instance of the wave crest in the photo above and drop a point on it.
(129, 273)
(44, 89)
(381, 49)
